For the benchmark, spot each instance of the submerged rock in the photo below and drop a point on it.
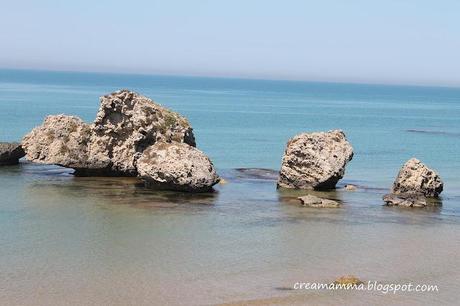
(348, 280)
(350, 187)
(176, 166)
(10, 153)
(126, 124)
(315, 160)
(415, 177)
(405, 199)
(258, 173)
(314, 201)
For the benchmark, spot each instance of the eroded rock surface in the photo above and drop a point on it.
(314, 201)
(405, 199)
(415, 177)
(315, 160)
(61, 140)
(177, 166)
(10, 153)
(126, 124)
(414, 183)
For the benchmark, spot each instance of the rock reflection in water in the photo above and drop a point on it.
(56, 182)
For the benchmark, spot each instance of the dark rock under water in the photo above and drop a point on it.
(433, 132)
(257, 173)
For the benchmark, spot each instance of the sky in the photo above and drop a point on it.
(397, 42)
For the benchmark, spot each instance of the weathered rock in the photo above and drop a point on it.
(61, 140)
(315, 160)
(314, 201)
(10, 153)
(405, 199)
(126, 124)
(176, 166)
(415, 177)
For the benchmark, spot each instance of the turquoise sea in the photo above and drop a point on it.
(108, 241)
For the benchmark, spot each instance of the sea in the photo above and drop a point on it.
(69, 240)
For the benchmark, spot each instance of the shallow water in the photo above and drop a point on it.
(109, 241)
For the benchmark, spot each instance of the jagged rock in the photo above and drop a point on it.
(10, 153)
(61, 140)
(314, 201)
(405, 199)
(126, 124)
(176, 166)
(315, 160)
(415, 177)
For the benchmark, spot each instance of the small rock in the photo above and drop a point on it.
(314, 201)
(10, 153)
(315, 160)
(350, 187)
(415, 177)
(176, 166)
(405, 199)
(348, 279)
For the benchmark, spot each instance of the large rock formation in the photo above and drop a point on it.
(126, 124)
(414, 183)
(315, 160)
(10, 153)
(415, 177)
(176, 166)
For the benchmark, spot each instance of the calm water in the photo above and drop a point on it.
(108, 241)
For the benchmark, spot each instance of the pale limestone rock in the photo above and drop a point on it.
(415, 177)
(61, 140)
(176, 166)
(126, 124)
(315, 160)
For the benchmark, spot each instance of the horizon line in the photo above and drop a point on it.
(250, 78)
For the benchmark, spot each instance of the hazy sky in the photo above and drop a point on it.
(404, 41)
